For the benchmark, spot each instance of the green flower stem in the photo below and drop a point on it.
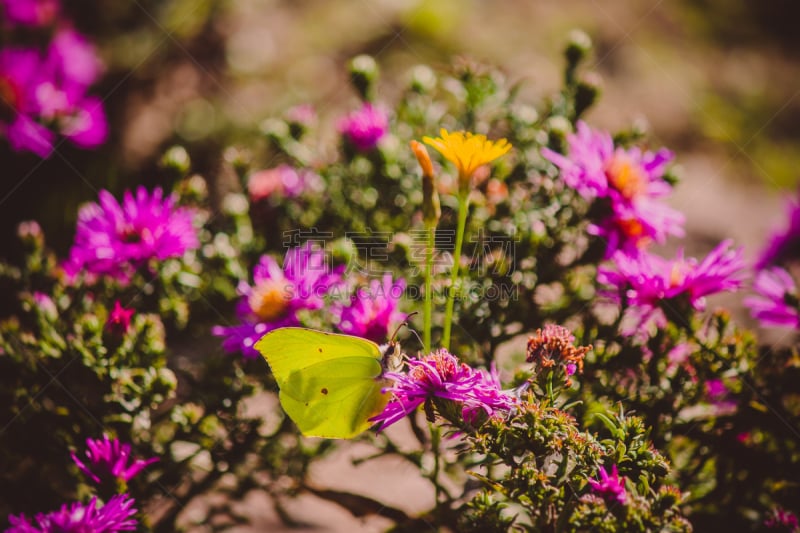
(463, 205)
(428, 309)
(435, 444)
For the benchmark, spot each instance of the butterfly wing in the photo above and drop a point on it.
(335, 398)
(329, 384)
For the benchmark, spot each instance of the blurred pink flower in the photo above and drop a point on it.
(46, 94)
(372, 312)
(782, 520)
(277, 294)
(283, 180)
(649, 285)
(30, 12)
(630, 181)
(365, 127)
(777, 302)
(783, 244)
(116, 515)
(303, 115)
(115, 239)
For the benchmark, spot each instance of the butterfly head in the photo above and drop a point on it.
(391, 357)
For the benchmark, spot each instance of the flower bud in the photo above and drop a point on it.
(363, 74)
(431, 208)
(579, 45)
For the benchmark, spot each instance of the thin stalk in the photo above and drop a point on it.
(428, 309)
(435, 443)
(463, 204)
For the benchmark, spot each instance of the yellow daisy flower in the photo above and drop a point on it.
(467, 151)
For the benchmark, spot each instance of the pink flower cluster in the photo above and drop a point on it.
(442, 375)
(629, 183)
(627, 186)
(43, 93)
(654, 288)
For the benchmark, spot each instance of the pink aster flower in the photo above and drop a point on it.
(115, 239)
(116, 515)
(46, 94)
(34, 13)
(277, 294)
(110, 460)
(777, 302)
(442, 375)
(629, 181)
(649, 285)
(783, 245)
(372, 312)
(782, 520)
(119, 320)
(365, 127)
(20, 76)
(610, 487)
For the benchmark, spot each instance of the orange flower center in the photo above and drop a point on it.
(268, 300)
(634, 230)
(9, 98)
(678, 274)
(626, 176)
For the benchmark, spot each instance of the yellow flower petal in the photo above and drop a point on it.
(467, 151)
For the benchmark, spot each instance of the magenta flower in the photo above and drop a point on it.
(33, 13)
(629, 180)
(110, 460)
(782, 520)
(119, 320)
(115, 515)
(777, 302)
(365, 127)
(650, 285)
(610, 487)
(276, 296)
(442, 375)
(20, 75)
(719, 395)
(783, 245)
(115, 239)
(372, 312)
(46, 94)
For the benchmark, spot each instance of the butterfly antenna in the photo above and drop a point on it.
(412, 330)
(404, 323)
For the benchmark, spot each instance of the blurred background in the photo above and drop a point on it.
(716, 81)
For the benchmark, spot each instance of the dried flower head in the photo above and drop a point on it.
(555, 345)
